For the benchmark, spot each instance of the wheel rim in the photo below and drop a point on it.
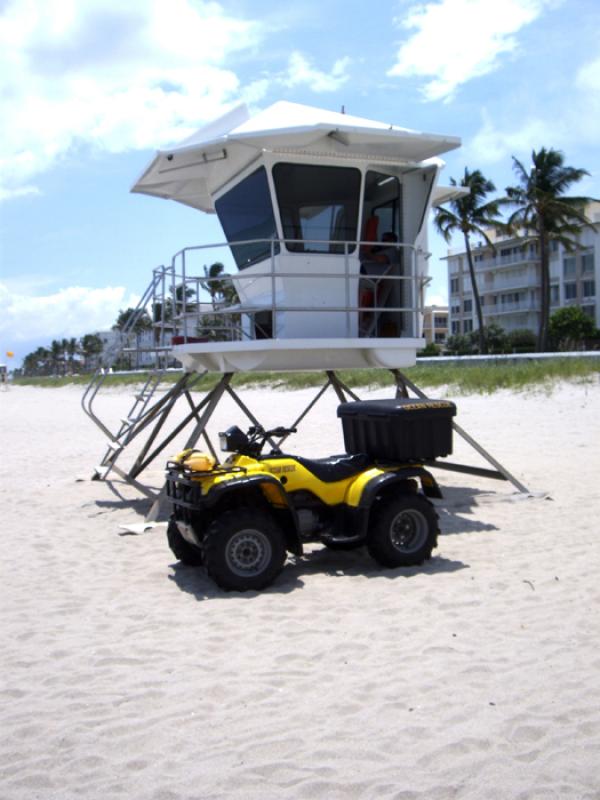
(248, 553)
(408, 531)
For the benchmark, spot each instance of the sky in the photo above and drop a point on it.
(89, 89)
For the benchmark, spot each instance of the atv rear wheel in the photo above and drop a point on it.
(244, 549)
(404, 531)
(183, 550)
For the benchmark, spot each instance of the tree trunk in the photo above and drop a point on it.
(542, 343)
(482, 343)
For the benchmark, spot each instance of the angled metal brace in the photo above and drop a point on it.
(498, 473)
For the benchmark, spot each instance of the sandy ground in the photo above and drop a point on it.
(127, 675)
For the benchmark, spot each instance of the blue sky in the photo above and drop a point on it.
(90, 88)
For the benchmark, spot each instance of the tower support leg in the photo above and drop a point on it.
(499, 472)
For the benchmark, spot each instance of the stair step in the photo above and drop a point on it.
(101, 470)
(114, 445)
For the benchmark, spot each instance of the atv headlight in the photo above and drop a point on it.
(232, 439)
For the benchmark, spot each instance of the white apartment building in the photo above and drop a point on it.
(435, 324)
(142, 353)
(509, 279)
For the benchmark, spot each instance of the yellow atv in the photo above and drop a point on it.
(239, 518)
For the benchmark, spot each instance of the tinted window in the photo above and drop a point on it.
(246, 212)
(318, 203)
(383, 200)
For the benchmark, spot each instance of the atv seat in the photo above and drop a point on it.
(335, 468)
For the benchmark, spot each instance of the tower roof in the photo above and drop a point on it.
(193, 170)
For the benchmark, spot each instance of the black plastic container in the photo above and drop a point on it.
(398, 430)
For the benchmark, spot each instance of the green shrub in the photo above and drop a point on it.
(459, 345)
(522, 340)
(430, 349)
(569, 327)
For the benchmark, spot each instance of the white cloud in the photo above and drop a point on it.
(18, 191)
(492, 144)
(588, 77)
(109, 75)
(68, 312)
(457, 40)
(300, 72)
(572, 121)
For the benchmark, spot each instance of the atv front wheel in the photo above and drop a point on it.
(183, 550)
(244, 549)
(404, 532)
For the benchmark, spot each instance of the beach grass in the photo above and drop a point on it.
(460, 378)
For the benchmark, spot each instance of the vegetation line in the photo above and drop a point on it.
(467, 378)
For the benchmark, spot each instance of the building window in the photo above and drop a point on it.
(317, 203)
(569, 267)
(589, 288)
(455, 309)
(554, 295)
(570, 291)
(440, 322)
(553, 246)
(455, 328)
(245, 212)
(440, 337)
(587, 263)
(453, 285)
(511, 297)
(590, 311)
(467, 306)
(468, 325)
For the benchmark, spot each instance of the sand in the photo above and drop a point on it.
(477, 675)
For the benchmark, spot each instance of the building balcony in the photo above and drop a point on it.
(515, 285)
(505, 261)
(510, 308)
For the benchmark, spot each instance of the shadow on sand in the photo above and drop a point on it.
(457, 505)
(194, 580)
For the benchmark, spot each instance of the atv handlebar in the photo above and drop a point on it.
(252, 442)
(279, 431)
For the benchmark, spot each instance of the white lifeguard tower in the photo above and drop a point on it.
(325, 218)
(304, 196)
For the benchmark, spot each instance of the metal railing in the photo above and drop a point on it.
(189, 307)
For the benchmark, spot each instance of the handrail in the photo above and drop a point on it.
(189, 318)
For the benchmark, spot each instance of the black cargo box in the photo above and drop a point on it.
(398, 430)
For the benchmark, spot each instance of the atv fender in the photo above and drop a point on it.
(384, 482)
(274, 495)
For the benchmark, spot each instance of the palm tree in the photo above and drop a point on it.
(91, 347)
(212, 283)
(72, 350)
(133, 321)
(38, 362)
(471, 216)
(544, 213)
(56, 354)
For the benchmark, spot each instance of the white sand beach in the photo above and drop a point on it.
(477, 675)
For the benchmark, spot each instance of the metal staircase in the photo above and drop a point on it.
(144, 405)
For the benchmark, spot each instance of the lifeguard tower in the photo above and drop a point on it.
(325, 260)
